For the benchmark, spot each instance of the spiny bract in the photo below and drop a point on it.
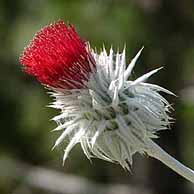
(112, 118)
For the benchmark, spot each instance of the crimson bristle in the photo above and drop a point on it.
(58, 57)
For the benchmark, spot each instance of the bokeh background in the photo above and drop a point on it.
(27, 164)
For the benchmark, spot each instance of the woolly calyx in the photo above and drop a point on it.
(114, 118)
(58, 57)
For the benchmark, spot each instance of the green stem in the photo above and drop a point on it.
(157, 152)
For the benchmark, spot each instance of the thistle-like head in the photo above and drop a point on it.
(110, 115)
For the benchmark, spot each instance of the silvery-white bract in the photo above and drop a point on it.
(112, 118)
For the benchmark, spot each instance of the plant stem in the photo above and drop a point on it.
(157, 152)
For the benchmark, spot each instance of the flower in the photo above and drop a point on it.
(57, 57)
(108, 114)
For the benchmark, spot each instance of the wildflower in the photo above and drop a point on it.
(102, 109)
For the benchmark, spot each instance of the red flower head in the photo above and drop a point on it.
(58, 57)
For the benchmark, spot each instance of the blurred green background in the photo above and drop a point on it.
(27, 164)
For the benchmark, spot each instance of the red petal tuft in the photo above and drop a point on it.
(57, 57)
